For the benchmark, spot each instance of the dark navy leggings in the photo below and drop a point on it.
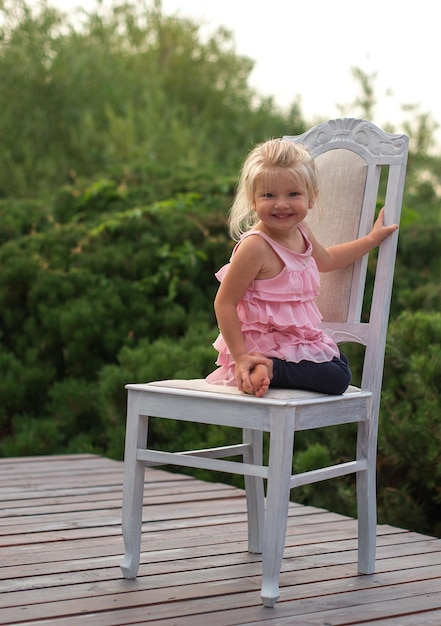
(332, 377)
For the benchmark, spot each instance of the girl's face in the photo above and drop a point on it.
(280, 202)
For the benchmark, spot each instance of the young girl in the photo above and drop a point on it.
(265, 305)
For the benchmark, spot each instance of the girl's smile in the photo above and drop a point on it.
(279, 200)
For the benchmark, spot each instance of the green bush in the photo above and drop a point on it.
(192, 356)
(115, 277)
(410, 426)
(81, 97)
(416, 283)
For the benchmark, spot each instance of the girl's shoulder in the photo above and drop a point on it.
(253, 239)
(258, 235)
(279, 248)
(255, 232)
(249, 254)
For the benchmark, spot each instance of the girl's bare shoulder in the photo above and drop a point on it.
(253, 243)
(257, 253)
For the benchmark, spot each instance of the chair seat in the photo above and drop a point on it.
(199, 401)
(200, 385)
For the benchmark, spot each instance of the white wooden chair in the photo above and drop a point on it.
(350, 155)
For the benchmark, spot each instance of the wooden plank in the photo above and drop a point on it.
(62, 547)
(81, 582)
(184, 538)
(83, 570)
(33, 498)
(192, 555)
(236, 604)
(102, 501)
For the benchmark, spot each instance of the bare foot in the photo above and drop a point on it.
(260, 380)
(259, 376)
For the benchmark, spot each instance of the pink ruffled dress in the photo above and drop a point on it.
(279, 316)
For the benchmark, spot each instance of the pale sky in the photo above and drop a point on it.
(307, 49)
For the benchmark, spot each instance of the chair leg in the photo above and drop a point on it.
(277, 503)
(133, 488)
(366, 505)
(254, 491)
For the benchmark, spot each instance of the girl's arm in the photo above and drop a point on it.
(337, 257)
(247, 262)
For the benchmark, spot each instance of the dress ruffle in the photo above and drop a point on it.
(279, 316)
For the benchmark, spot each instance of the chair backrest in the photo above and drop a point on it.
(335, 219)
(350, 155)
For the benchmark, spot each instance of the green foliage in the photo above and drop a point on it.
(72, 297)
(89, 415)
(419, 265)
(120, 85)
(410, 441)
(23, 382)
(322, 449)
(30, 437)
(191, 356)
(22, 217)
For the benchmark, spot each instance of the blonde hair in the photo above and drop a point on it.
(270, 157)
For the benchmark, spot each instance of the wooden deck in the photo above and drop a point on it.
(61, 546)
